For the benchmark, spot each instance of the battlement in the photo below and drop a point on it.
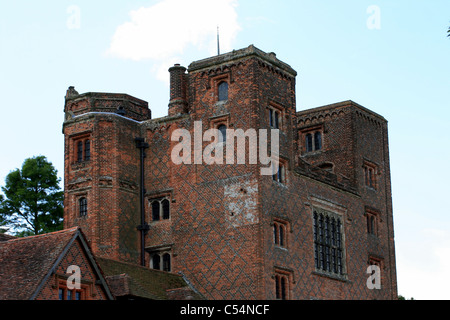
(250, 51)
(122, 104)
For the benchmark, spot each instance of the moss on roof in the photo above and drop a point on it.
(134, 280)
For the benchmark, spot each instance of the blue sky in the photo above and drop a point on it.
(392, 57)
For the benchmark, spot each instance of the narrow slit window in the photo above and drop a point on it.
(317, 140)
(87, 150)
(80, 151)
(308, 141)
(281, 236)
(275, 233)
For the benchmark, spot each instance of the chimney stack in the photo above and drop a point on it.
(178, 102)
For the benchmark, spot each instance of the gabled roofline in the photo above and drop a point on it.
(77, 235)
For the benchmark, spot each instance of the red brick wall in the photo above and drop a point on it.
(220, 231)
(109, 181)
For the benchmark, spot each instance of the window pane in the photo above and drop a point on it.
(316, 227)
(83, 207)
(317, 141)
(80, 151)
(87, 150)
(156, 262)
(271, 117)
(308, 142)
(223, 91)
(275, 233)
(61, 294)
(277, 287)
(283, 288)
(69, 295)
(370, 177)
(166, 209)
(222, 133)
(166, 262)
(281, 236)
(277, 124)
(155, 210)
(78, 295)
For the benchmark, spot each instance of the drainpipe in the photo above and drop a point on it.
(143, 227)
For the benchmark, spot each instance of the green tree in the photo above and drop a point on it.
(34, 200)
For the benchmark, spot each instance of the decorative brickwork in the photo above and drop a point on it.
(220, 233)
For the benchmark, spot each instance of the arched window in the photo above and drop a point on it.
(281, 287)
(160, 209)
(308, 141)
(82, 204)
(317, 140)
(313, 141)
(155, 210)
(222, 133)
(87, 150)
(223, 91)
(279, 233)
(166, 209)
(166, 262)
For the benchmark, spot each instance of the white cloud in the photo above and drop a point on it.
(163, 31)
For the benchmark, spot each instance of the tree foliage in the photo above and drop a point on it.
(33, 202)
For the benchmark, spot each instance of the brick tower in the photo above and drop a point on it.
(101, 178)
(308, 231)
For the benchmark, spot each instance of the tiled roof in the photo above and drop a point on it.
(5, 237)
(24, 262)
(130, 280)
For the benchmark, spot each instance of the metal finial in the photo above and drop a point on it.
(218, 42)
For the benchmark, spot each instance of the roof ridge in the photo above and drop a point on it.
(69, 230)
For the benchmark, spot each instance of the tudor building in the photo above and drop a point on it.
(310, 231)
